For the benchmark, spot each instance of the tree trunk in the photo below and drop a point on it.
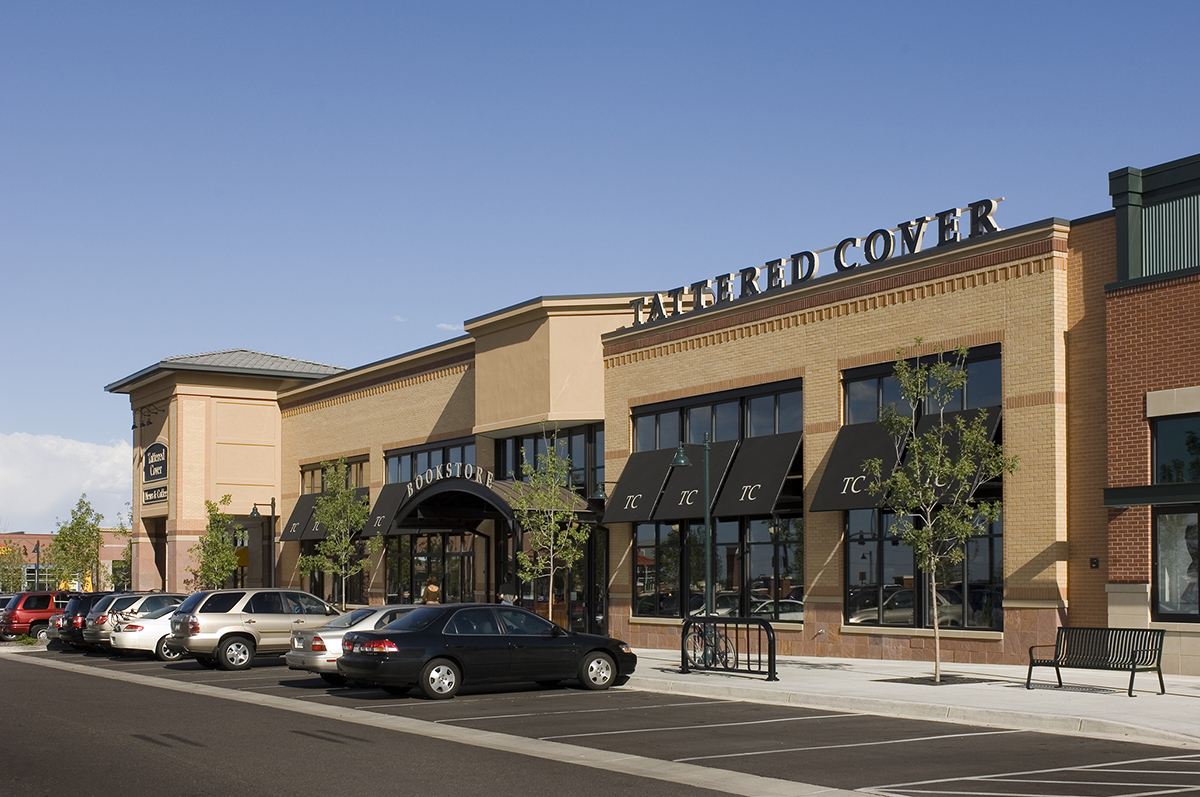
(937, 636)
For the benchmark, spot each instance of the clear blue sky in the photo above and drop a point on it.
(342, 182)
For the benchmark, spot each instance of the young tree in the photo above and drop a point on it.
(547, 517)
(122, 569)
(343, 514)
(214, 556)
(12, 566)
(74, 555)
(931, 488)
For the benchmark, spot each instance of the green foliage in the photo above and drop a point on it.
(931, 488)
(12, 567)
(545, 512)
(122, 569)
(343, 514)
(74, 555)
(214, 556)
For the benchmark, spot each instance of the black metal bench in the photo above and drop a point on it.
(1130, 650)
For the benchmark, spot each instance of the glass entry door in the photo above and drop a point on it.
(444, 559)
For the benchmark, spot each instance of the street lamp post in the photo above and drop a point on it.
(271, 534)
(681, 460)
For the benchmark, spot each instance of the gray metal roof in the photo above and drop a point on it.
(241, 362)
(252, 360)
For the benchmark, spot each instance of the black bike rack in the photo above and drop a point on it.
(752, 639)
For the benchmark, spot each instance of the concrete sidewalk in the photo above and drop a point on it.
(1092, 703)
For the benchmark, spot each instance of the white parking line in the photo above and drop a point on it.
(580, 711)
(1023, 776)
(698, 727)
(842, 746)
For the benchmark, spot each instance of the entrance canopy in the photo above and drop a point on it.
(452, 503)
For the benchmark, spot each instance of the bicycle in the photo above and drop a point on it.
(708, 648)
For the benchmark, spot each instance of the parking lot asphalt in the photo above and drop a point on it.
(714, 742)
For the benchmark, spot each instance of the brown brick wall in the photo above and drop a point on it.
(1153, 344)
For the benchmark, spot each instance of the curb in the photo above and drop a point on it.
(1000, 718)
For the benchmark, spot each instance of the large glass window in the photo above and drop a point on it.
(405, 465)
(726, 416)
(885, 587)
(1176, 564)
(868, 390)
(758, 569)
(1177, 449)
(582, 446)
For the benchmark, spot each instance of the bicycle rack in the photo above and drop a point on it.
(743, 637)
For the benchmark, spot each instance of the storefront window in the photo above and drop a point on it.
(869, 389)
(1177, 449)
(403, 465)
(582, 446)
(885, 587)
(1176, 564)
(758, 569)
(727, 416)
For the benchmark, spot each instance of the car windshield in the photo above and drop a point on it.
(415, 620)
(102, 604)
(347, 620)
(192, 602)
(72, 606)
(163, 612)
(12, 602)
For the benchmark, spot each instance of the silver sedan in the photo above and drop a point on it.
(145, 634)
(318, 649)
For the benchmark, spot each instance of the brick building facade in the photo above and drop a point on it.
(784, 366)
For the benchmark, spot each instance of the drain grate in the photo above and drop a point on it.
(947, 680)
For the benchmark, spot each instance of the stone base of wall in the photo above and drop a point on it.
(823, 634)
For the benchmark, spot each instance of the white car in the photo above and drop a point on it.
(146, 634)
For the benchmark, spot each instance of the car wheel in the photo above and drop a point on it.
(235, 653)
(7, 637)
(597, 671)
(397, 690)
(164, 653)
(333, 679)
(41, 633)
(440, 679)
(208, 662)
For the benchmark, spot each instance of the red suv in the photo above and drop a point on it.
(30, 613)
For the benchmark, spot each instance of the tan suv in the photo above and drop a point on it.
(229, 627)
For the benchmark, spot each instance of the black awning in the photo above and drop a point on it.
(844, 485)
(758, 474)
(639, 487)
(299, 518)
(315, 531)
(389, 500)
(683, 496)
(928, 421)
(1152, 495)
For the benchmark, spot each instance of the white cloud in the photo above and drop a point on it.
(400, 319)
(42, 477)
(451, 327)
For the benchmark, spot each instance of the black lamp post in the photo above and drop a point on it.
(271, 533)
(681, 461)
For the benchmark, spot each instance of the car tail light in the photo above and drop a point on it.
(347, 646)
(77, 621)
(193, 626)
(102, 619)
(317, 644)
(379, 646)
(132, 628)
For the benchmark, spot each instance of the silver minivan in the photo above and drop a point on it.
(228, 627)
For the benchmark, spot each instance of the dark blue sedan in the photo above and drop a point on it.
(439, 648)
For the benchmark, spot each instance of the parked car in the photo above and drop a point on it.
(30, 612)
(229, 627)
(900, 606)
(318, 649)
(439, 648)
(146, 634)
(790, 611)
(74, 616)
(106, 615)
